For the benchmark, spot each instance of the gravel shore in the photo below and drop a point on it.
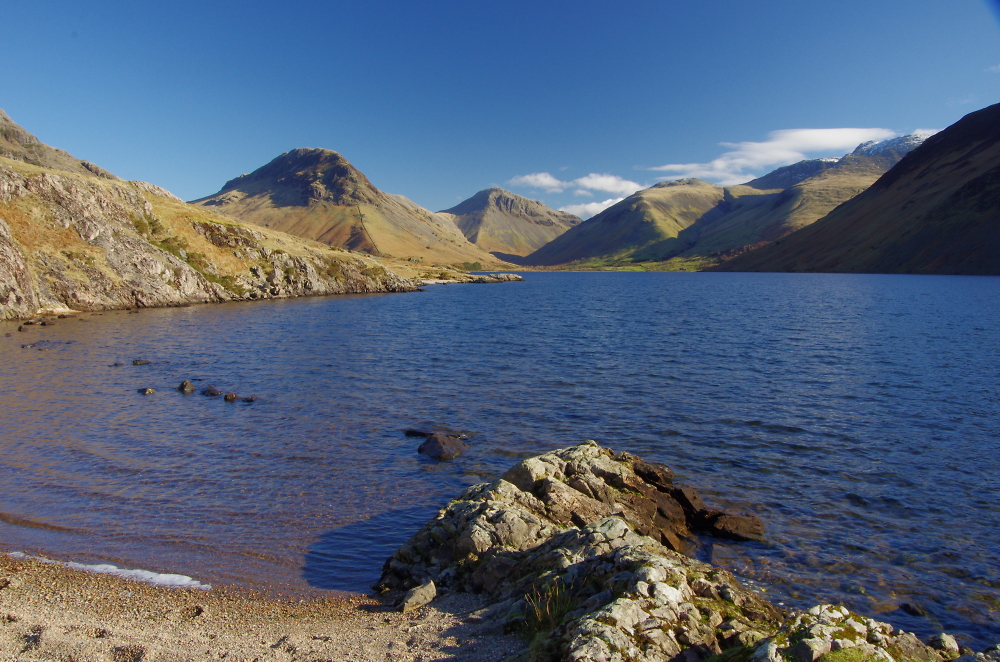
(48, 612)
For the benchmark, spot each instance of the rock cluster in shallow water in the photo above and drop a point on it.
(579, 550)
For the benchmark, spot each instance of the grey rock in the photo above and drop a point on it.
(946, 644)
(418, 596)
(186, 387)
(230, 397)
(810, 649)
(211, 391)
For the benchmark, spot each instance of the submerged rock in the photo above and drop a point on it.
(186, 387)
(140, 362)
(442, 447)
(147, 391)
(211, 391)
(230, 397)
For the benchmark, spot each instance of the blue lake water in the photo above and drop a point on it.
(858, 415)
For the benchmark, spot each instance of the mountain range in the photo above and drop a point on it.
(76, 237)
(692, 221)
(937, 211)
(317, 194)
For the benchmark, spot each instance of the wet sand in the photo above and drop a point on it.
(48, 612)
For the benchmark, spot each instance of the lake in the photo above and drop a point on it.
(858, 415)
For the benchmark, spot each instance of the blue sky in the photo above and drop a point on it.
(436, 101)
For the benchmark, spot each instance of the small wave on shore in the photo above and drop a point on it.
(146, 576)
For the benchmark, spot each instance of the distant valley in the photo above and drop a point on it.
(694, 224)
(936, 212)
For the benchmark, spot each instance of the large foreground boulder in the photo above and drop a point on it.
(580, 550)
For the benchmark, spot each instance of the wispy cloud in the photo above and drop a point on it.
(589, 209)
(592, 182)
(995, 69)
(540, 180)
(962, 101)
(781, 148)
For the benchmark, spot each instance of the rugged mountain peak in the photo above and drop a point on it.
(690, 181)
(507, 202)
(895, 147)
(303, 177)
(507, 224)
(18, 144)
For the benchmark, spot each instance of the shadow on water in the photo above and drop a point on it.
(350, 558)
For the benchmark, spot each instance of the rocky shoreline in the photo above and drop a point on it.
(574, 555)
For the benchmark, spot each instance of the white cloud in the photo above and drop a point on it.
(589, 209)
(608, 184)
(542, 180)
(583, 192)
(995, 69)
(781, 148)
(592, 182)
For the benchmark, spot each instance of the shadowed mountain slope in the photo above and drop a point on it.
(505, 223)
(935, 212)
(319, 195)
(692, 219)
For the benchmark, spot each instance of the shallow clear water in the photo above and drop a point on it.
(858, 415)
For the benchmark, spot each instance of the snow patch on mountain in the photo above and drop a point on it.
(899, 146)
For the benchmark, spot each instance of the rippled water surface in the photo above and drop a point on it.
(858, 415)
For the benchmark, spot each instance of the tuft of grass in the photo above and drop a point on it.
(548, 607)
(847, 655)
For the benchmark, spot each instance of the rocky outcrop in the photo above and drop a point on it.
(580, 551)
(825, 629)
(85, 243)
(496, 278)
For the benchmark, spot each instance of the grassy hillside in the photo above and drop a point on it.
(508, 224)
(643, 224)
(82, 242)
